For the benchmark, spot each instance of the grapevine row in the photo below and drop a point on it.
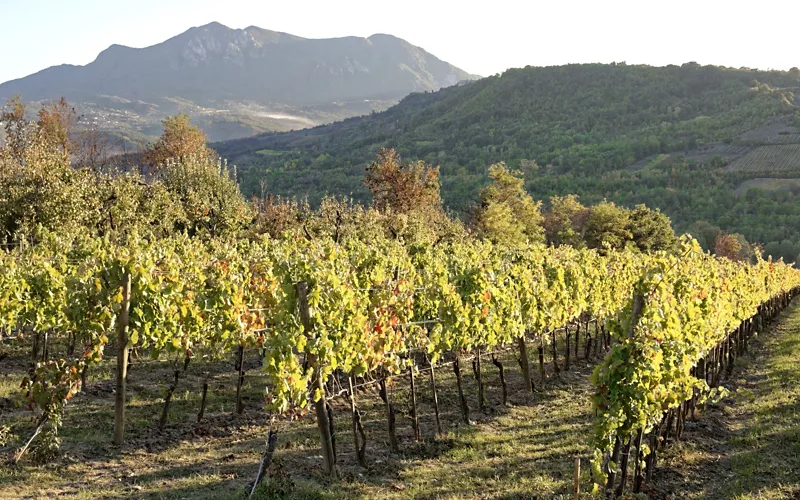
(686, 320)
(318, 307)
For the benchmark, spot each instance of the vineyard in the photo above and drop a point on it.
(783, 157)
(330, 317)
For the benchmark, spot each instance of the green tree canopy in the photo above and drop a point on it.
(651, 229)
(608, 226)
(507, 213)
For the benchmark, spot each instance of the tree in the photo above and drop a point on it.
(508, 215)
(746, 253)
(651, 229)
(607, 226)
(210, 198)
(565, 223)
(55, 123)
(180, 141)
(705, 233)
(93, 149)
(727, 246)
(402, 188)
(16, 127)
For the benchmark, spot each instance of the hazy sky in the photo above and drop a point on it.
(484, 37)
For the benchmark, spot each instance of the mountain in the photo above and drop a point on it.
(254, 78)
(703, 143)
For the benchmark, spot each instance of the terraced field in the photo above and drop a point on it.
(771, 158)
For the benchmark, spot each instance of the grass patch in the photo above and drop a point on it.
(524, 449)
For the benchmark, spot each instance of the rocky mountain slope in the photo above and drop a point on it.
(237, 82)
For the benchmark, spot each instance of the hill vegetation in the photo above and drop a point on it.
(681, 139)
(166, 260)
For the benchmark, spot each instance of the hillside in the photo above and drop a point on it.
(679, 138)
(240, 82)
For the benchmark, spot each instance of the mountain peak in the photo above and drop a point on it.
(213, 26)
(214, 65)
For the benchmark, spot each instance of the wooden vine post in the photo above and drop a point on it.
(435, 399)
(122, 360)
(323, 423)
(479, 378)
(556, 369)
(462, 399)
(541, 359)
(240, 379)
(523, 361)
(414, 414)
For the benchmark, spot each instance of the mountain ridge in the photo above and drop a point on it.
(211, 64)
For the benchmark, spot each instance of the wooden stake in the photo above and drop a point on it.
(541, 362)
(576, 480)
(435, 400)
(240, 381)
(414, 415)
(462, 399)
(479, 376)
(523, 361)
(556, 369)
(567, 350)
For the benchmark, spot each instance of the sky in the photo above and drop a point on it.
(483, 38)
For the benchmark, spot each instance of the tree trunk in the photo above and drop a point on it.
(165, 411)
(359, 437)
(122, 360)
(323, 424)
(390, 416)
(203, 400)
(499, 366)
(266, 459)
(611, 474)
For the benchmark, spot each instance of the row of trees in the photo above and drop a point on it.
(177, 185)
(54, 176)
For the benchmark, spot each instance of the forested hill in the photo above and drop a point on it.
(627, 133)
